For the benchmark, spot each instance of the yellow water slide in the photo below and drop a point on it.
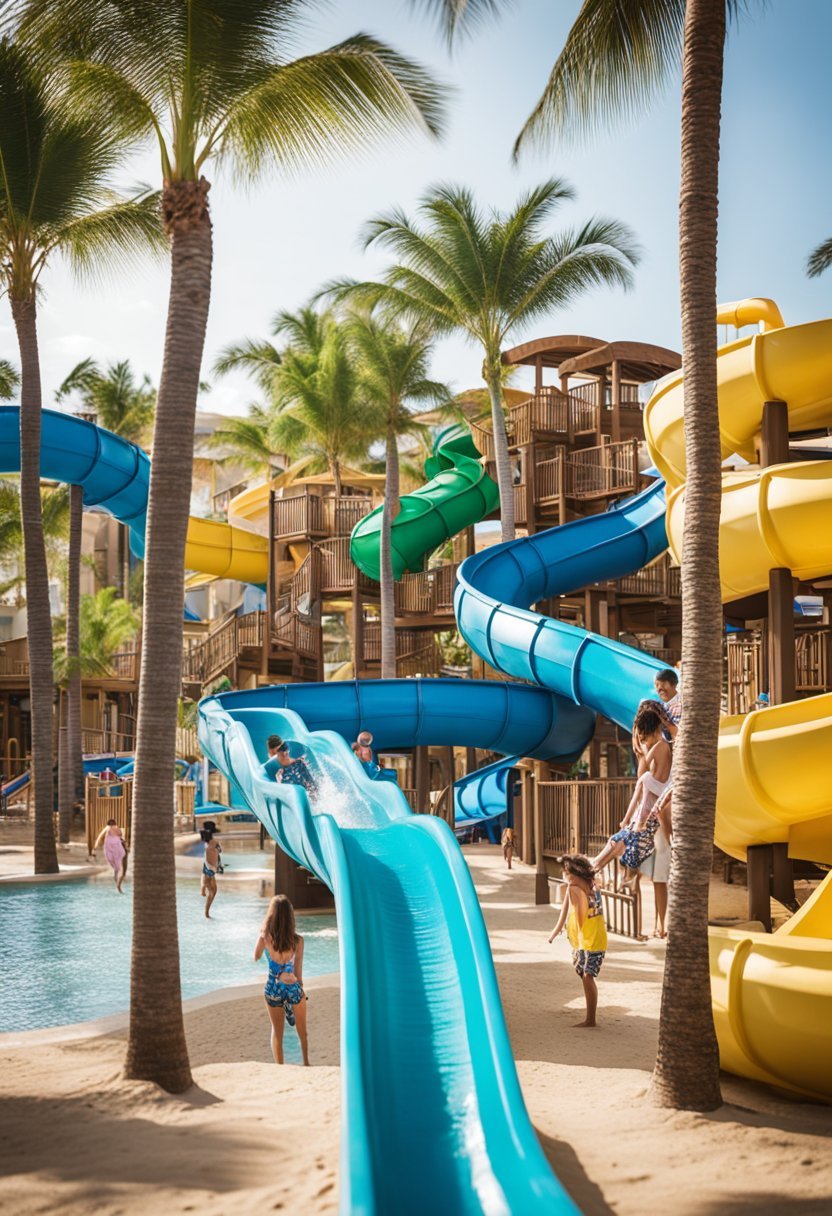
(772, 992)
(222, 551)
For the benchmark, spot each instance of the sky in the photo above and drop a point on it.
(277, 242)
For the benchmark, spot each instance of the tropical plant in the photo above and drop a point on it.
(55, 517)
(245, 442)
(617, 57)
(211, 80)
(485, 275)
(819, 259)
(54, 201)
(106, 623)
(393, 364)
(118, 402)
(9, 380)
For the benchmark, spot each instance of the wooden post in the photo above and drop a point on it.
(530, 478)
(759, 866)
(357, 628)
(526, 817)
(538, 373)
(421, 765)
(781, 673)
(616, 401)
(541, 878)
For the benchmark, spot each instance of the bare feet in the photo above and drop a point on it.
(584, 1025)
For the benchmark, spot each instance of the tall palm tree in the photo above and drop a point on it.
(118, 402)
(126, 408)
(54, 169)
(210, 80)
(393, 365)
(9, 380)
(488, 274)
(618, 55)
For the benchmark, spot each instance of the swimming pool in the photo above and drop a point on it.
(240, 853)
(65, 948)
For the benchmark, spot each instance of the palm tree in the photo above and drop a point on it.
(120, 404)
(9, 380)
(55, 516)
(487, 274)
(245, 442)
(819, 259)
(618, 54)
(54, 167)
(126, 408)
(393, 363)
(106, 623)
(210, 79)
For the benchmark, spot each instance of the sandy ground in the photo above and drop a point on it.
(76, 1138)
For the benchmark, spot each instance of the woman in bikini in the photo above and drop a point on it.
(212, 864)
(115, 851)
(285, 998)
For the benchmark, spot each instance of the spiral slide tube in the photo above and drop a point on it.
(115, 475)
(460, 493)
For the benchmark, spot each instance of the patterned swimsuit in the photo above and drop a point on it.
(279, 994)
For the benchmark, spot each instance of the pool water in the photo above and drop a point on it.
(65, 948)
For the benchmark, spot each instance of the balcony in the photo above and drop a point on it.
(417, 652)
(546, 413)
(658, 581)
(606, 471)
(220, 500)
(311, 515)
(747, 661)
(233, 640)
(430, 593)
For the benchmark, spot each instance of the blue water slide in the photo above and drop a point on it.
(422, 1025)
(495, 587)
(113, 473)
(483, 795)
(422, 1028)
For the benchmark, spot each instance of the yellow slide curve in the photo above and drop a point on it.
(772, 992)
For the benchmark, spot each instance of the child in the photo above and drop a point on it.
(284, 995)
(634, 843)
(115, 851)
(583, 914)
(211, 865)
(509, 843)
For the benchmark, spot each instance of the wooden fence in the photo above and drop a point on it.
(108, 800)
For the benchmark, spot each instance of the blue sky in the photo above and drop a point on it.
(279, 241)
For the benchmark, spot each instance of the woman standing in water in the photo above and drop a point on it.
(115, 851)
(211, 866)
(285, 998)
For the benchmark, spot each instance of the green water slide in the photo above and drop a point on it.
(459, 493)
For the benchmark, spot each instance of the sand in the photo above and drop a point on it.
(249, 1137)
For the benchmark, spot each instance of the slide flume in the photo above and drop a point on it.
(460, 493)
(115, 475)
(422, 1028)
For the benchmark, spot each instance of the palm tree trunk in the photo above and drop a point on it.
(156, 1049)
(387, 582)
(687, 1066)
(501, 456)
(73, 641)
(38, 608)
(66, 782)
(335, 470)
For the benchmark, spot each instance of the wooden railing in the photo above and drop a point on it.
(584, 408)
(336, 571)
(544, 413)
(549, 480)
(430, 593)
(747, 664)
(580, 816)
(417, 652)
(125, 665)
(659, 580)
(222, 647)
(604, 471)
(10, 666)
(95, 740)
(315, 515)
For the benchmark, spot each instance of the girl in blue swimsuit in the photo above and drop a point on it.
(285, 998)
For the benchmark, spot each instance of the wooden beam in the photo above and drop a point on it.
(759, 866)
(774, 447)
(781, 641)
(421, 766)
(616, 401)
(541, 878)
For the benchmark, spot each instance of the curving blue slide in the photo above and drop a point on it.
(422, 1026)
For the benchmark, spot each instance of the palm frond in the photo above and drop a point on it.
(337, 100)
(9, 380)
(115, 236)
(819, 259)
(457, 17)
(618, 55)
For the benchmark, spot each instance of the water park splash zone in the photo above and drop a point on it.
(422, 1026)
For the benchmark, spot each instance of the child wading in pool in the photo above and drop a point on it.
(285, 998)
(212, 864)
(115, 851)
(583, 914)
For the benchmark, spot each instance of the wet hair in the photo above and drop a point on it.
(111, 823)
(647, 721)
(579, 866)
(274, 743)
(279, 925)
(667, 676)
